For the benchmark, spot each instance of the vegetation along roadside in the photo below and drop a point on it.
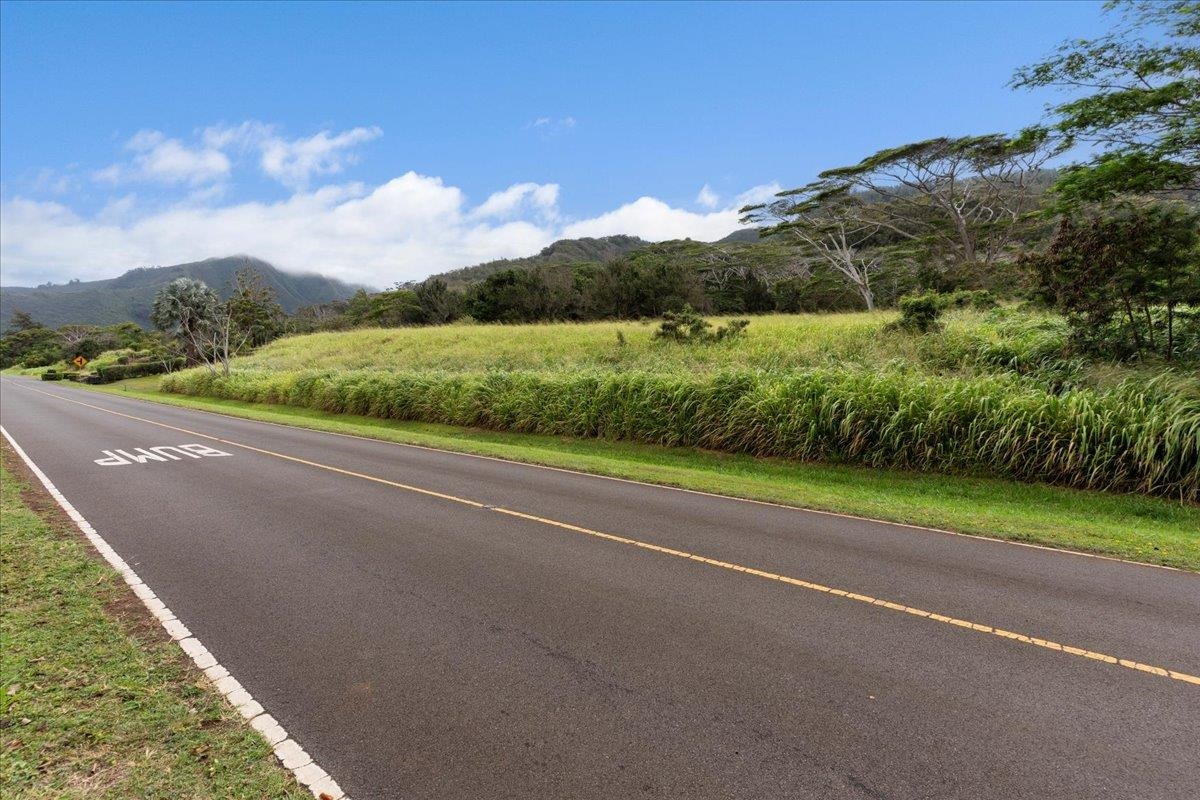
(97, 702)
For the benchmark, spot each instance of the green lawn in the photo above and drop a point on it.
(1134, 527)
(96, 701)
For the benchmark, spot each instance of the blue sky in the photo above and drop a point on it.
(382, 142)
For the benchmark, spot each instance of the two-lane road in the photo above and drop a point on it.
(435, 625)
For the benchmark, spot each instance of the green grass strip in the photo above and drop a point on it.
(95, 702)
(1134, 527)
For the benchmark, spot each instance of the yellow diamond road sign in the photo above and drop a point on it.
(79, 361)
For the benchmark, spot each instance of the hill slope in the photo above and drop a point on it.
(130, 296)
(564, 251)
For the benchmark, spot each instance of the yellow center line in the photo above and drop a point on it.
(803, 584)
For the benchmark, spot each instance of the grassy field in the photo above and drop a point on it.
(778, 343)
(990, 395)
(97, 702)
(1134, 527)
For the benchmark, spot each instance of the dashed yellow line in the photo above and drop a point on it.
(625, 540)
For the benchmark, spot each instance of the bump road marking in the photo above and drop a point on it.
(797, 582)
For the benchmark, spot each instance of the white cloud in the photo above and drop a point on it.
(540, 198)
(551, 126)
(763, 193)
(49, 181)
(707, 197)
(294, 163)
(158, 159)
(403, 229)
(406, 228)
(653, 219)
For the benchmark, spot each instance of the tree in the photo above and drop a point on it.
(961, 197)
(72, 335)
(438, 303)
(1127, 279)
(253, 309)
(31, 347)
(512, 295)
(649, 281)
(832, 226)
(22, 321)
(218, 338)
(183, 308)
(1141, 108)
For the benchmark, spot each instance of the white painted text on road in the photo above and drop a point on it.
(161, 453)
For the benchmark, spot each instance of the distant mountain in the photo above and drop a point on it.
(749, 235)
(564, 251)
(130, 296)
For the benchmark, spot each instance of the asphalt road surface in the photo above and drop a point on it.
(433, 625)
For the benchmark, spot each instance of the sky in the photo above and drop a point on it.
(380, 143)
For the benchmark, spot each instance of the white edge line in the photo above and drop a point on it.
(286, 749)
(909, 525)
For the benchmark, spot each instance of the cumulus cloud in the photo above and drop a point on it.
(763, 193)
(159, 159)
(707, 197)
(651, 218)
(293, 162)
(406, 228)
(403, 229)
(540, 198)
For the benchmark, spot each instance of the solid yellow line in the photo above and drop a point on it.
(803, 584)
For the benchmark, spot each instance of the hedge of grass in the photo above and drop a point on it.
(1139, 437)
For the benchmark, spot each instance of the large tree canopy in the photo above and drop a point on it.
(1136, 98)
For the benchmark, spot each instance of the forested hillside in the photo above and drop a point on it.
(564, 251)
(130, 296)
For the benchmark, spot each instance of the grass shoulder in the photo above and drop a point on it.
(97, 702)
(1134, 527)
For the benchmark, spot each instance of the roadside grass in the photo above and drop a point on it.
(1128, 526)
(970, 342)
(772, 342)
(95, 701)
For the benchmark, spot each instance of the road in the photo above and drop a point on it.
(435, 625)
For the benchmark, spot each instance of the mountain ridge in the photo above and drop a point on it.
(130, 296)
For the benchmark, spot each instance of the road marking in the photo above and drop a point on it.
(157, 454)
(286, 749)
(798, 582)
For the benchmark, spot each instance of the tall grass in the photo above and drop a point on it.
(1141, 436)
(972, 342)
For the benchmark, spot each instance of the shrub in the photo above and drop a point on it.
(978, 299)
(119, 372)
(687, 326)
(920, 313)
(52, 375)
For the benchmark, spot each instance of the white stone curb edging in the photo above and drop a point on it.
(310, 775)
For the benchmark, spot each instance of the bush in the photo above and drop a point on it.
(978, 299)
(1143, 436)
(51, 375)
(686, 326)
(920, 313)
(119, 372)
